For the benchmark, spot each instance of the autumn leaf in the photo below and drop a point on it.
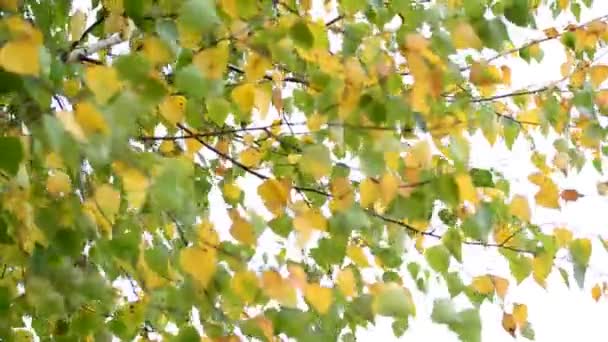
(319, 297)
(570, 195)
(520, 314)
(278, 288)
(59, 184)
(275, 194)
(200, 263)
(519, 208)
(483, 284)
(598, 74)
(21, 57)
(173, 108)
(347, 283)
(103, 82)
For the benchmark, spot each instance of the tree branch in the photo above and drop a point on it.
(79, 53)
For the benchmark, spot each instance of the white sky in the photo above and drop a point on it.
(556, 313)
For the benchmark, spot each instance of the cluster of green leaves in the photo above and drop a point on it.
(90, 192)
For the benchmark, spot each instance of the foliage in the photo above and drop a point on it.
(125, 130)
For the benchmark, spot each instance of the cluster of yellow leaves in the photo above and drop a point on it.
(279, 289)
(427, 70)
(58, 183)
(308, 220)
(241, 229)
(548, 194)
(488, 284)
(134, 182)
(200, 260)
(21, 54)
(103, 81)
(172, 108)
(275, 194)
(343, 195)
(517, 319)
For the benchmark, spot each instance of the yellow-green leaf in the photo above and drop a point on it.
(200, 263)
(319, 297)
(520, 208)
(103, 82)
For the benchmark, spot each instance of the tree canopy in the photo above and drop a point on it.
(126, 129)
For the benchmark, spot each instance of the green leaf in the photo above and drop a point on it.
(453, 241)
(200, 15)
(438, 258)
(12, 155)
(580, 251)
(466, 324)
(394, 301)
(482, 178)
(518, 12)
(218, 110)
(300, 33)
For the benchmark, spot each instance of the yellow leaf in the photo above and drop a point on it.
(11, 5)
(108, 201)
(501, 285)
(156, 50)
(207, 236)
(563, 4)
(319, 297)
(520, 314)
(135, 185)
(173, 108)
(70, 125)
(114, 5)
(483, 284)
(421, 154)
(58, 184)
(316, 161)
(563, 237)
(242, 230)
(200, 263)
(506, 75)
(245, 284)
(262, 99)
(548, 194)
(90, 119)
(274, 194)
(519, 208)
(77, 24)
(212, 62)
(482, 74)
(251, 157)
(256, 66)
(103, 82)
(541, 267)
(21, 57)
(244, 96)
(347, 283)
(189, 38)
(466, 189)
(278, 289)
(310, 219)
(577, 78)
(596, 292)
(342, 194)
(369, 192)
(297, 276)
(230, 7)
(464, 36)
(598, 74)
(509, 324)
(357, 255)
(389, 185)
(232, 191)
(54, 161)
